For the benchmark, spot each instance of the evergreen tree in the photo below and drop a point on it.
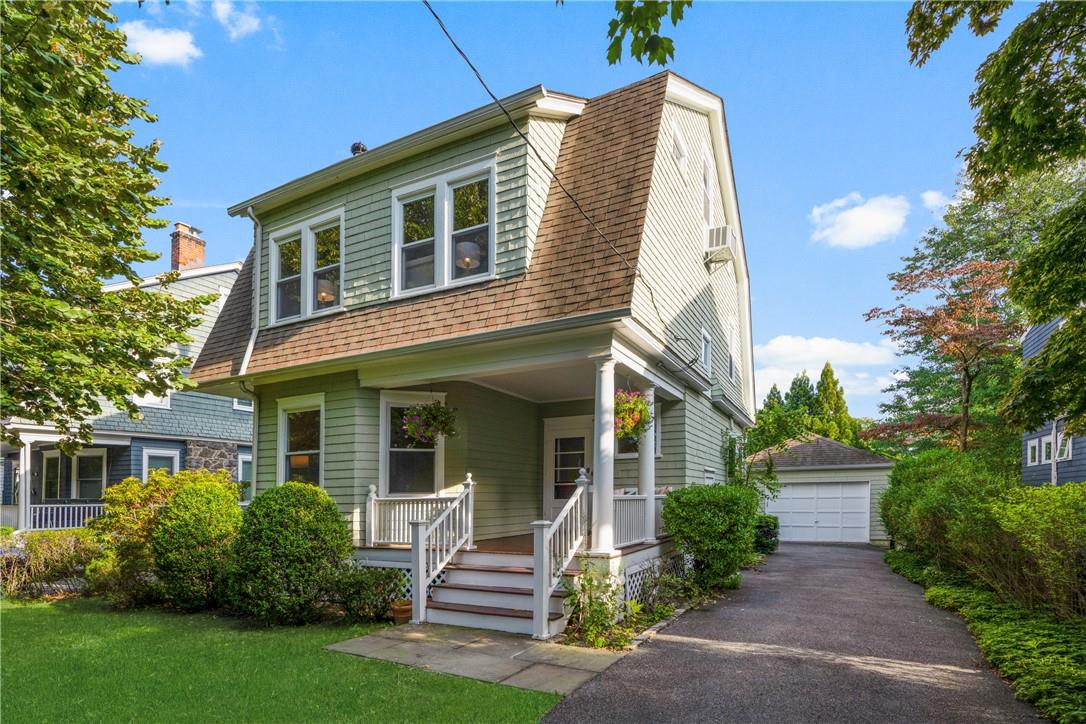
(801, 395)
(831, 417)
(773, 399)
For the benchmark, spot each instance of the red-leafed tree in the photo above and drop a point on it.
(966, 324)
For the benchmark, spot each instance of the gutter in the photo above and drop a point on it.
(737, 414)
(257, 238)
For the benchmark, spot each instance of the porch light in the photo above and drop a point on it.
(326, 291)
(467, 255)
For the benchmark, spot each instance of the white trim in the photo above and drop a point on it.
(298, 403)
(389, 398)
(239, 404)
(1048, 449)
(443, 185)
(552, 427)
(247, 458)
(159, 452)
(1033, 452)
(73, 482)
(679, 150)
(708, 476)
(182, 275)
(706, 364)
(52, 455)
(305, 230)
(154, 401)
(1062, 437)
(867, 504)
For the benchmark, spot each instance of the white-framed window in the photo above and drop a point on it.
(733, 351)
(706, 351)
(709, 476)
(678, 146)
(89, 473)
(243, 405)
(408, 467)
(245, 476)
(628, 448)
(444, 231)
(1063, 446)
(1033, 452)
(160, 459)
(708, 187)
(51, 478)
(307, 267)
(301, 439)
(1046, 449)
(149, 400)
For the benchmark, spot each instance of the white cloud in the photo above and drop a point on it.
(238, 22)
(935, 201)
(161, 46)
(850, 222)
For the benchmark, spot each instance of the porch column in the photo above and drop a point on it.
(24, 485)
(646, 465)
(603, 477)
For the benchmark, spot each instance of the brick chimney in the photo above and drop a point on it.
(186, 247)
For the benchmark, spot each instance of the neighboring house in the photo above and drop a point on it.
(829, 491)
(183, 430)
(1046, 459)
(447, 265)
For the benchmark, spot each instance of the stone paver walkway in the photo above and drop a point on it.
(486, 655)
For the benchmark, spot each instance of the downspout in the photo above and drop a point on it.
(257, 239)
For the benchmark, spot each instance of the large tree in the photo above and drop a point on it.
(76, 192)
(801, 395)
(831, 418)
(1030, 104)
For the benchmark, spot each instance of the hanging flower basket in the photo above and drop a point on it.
(425, 423)
(632, 415)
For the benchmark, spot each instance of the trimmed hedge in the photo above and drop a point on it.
(366, 594)
(714, 525)
(292, 547)
(766, 533)
(192, 543)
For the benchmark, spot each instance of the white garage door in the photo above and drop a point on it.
(822, 512)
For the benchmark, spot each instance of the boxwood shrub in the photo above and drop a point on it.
(293, 545)
(367, 593)
(714, 526)
(192, 543)
(766, 533)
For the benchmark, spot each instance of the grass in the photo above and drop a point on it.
(1043, 657)
(78, 660)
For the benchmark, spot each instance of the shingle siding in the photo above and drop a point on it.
(1073, 470)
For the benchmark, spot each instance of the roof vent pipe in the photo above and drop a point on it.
(358, 148)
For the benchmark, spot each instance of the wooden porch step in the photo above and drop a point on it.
(491, 589)
(502, 569)
(487, 610)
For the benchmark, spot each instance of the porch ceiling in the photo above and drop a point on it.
(569, 381)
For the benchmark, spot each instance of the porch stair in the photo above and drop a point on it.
(491, 590)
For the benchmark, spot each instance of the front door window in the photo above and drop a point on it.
(569, 458)
(567, 447)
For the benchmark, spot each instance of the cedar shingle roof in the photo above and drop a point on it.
(815, 451)
(606, 161)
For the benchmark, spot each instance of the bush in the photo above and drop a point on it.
(44, 557)
(192, 541)
(366, 594)
(766, 533)
(595, 605)
(714, 525)
(292, 546)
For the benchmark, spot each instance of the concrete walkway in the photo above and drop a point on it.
(819, 634)
(486, 655)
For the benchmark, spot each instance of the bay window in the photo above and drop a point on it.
(307, 267)
(301, 439)
(407, 466)
(443, 230)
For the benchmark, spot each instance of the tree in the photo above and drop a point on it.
(76, 192)
(831, 418)
(773, 398)
(801, 395)
(774, 424)
(967, 326)
(642, 20)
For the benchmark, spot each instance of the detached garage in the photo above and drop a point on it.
(829, 491)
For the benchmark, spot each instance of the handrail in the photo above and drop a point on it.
(434, 543)
(554, 546)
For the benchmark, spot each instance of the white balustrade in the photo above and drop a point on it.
(434, 543)
(62, 516)
(629, 519)
(554, 545)
(389, 519)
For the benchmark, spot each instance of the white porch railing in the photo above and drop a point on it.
(659, 500)
(629, 520)
(554, 545)
(9, 516)
(388, 520)
(61, 516)
(433, 544)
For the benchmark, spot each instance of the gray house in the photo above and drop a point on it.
(1048, 458)
(42, 488)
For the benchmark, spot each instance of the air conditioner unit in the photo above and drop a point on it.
(720, 244)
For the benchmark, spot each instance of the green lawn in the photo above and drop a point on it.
(77, 660)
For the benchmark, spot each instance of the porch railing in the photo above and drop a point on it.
(62, 516)
(629, 519)
(434, 543)
(388, 520)
(554, 545)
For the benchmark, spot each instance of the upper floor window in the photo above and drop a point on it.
(307, 267)
(444, 230)
(706, 351)
(1046, 449)
(1063, 446)
(1032, 452)
(733, 351)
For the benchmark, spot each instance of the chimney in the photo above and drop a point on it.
(186, 247)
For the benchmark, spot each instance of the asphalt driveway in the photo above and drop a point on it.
(819, 634)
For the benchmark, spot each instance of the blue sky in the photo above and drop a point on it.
(840, 146)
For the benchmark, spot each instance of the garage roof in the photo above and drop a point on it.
(816, 451)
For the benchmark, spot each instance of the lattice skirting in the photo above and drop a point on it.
(634, 578)
(405, 577)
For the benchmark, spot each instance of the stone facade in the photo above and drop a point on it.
(203, 454)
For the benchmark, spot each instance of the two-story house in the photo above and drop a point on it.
(452, 265)
(45, 489)
(1048, 458)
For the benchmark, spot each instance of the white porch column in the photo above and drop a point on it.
(646, 466)
(24, 485)
(603, 477)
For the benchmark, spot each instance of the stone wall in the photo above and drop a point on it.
(201, 454)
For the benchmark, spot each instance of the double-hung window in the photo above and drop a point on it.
(1032, 452)
(1046, 449)
(52, 481)
(89, 474)
(301, 439)
(443, 229)
(160, 459)
(706, 351)
(307, 267)
(245, 476)
(407, 467)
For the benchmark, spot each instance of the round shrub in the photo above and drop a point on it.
(192, 540)
(292, 546)
(714, 525)
(766, 533)
(366, 594)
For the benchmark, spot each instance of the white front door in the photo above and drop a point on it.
(567, 447)
(822, 512)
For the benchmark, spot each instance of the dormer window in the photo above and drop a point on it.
(307, 267)
(444, 230)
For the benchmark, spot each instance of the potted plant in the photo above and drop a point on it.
(426, 422)
(632, 415)
(401, 611)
